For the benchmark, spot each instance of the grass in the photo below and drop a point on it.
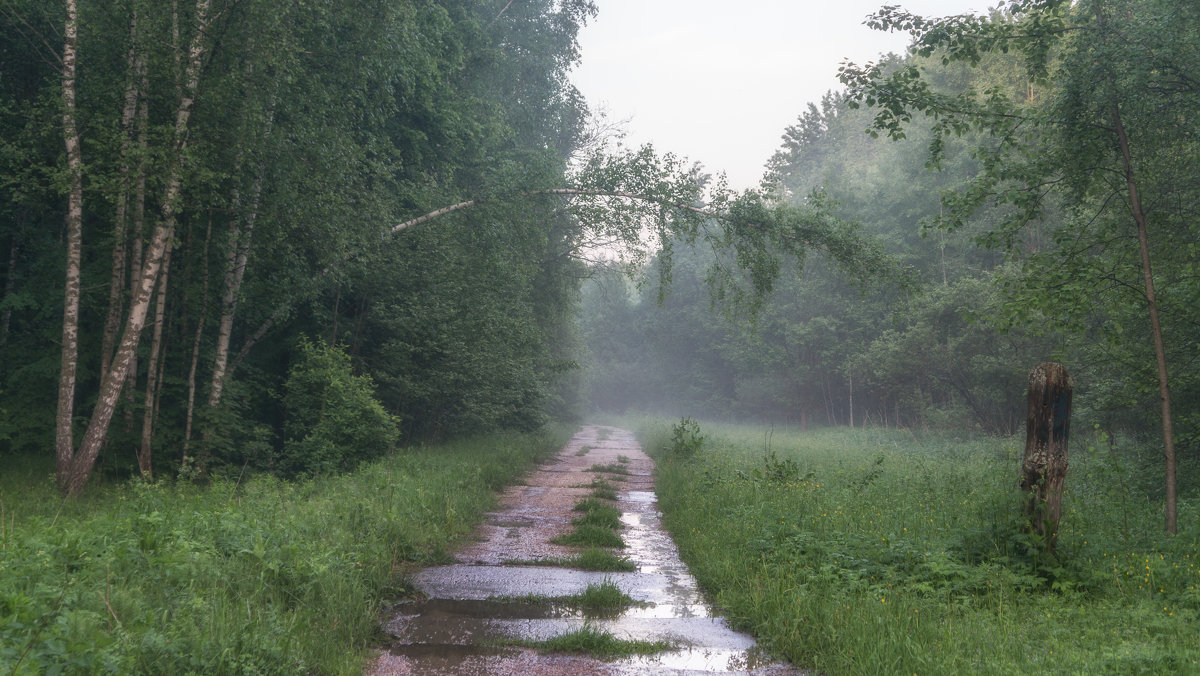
(868, 551)
(601, 489)
(599, 512)
(623, 459)
(589, 559)
(250, 576)
(610, 468)
(603, 434)
(588, 640)
(596, 528)
(583, 450)
(590, 535)
(605, 596)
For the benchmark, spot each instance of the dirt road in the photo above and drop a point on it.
(471, 606)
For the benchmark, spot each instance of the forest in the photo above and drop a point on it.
(1033, 171)
(254, 245)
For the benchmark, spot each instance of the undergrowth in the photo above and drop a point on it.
(611, 468)
(869, 551)
(589, 559)
(250, 576)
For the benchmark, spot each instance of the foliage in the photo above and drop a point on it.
(686, 439)
(844, 550)
(317, 128)
(333, 421)
(257, 576)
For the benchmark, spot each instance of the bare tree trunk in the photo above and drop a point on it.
(145, 453)
(1044, 469)
(1160, 351)
(191, 400)
(116, 291)
(64, 438)
(137, 238)
(240, 237)
(110, 388)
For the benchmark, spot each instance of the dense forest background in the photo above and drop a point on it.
(237, 168)
(993, 169)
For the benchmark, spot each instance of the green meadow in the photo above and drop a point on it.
(870, 551)
(248, 576)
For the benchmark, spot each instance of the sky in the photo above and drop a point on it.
(718, 81)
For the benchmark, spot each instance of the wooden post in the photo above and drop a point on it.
(1045, 466)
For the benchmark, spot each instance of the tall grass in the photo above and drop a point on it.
(254, 576)
(874, 551)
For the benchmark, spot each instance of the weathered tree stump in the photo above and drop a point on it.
(1045, 465)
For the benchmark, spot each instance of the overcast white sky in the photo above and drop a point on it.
(717, 81)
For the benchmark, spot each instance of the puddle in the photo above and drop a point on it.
(472, 604)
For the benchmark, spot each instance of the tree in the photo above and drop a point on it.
(1105, 141)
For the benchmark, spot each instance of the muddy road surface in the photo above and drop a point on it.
(474, 608)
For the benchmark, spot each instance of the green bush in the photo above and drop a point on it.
(333, 421)
(686, 440)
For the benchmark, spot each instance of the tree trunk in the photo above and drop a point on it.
(116, 290)
(240, 237)
(145, 453)
(191, 382)
(1044, 469)
(64, 442)
(110, 389)
(1160, 351)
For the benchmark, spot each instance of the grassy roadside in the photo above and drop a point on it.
(869, 551)
(252, 577)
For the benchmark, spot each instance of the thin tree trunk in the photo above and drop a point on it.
(1160, 351)
(110, 389)
(137, 239)
(145, 454)
(116, 290)
(191, 400)
(240, 237)
(64, 438)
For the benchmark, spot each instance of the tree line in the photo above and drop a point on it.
(1035, 168)
(211, 215)
(196, 198)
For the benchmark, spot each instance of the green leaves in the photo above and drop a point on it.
(333, 420)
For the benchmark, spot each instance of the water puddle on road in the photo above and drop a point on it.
(473, 605)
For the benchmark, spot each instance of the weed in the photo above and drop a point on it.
(598, 512)
(600, 489)
(256, 576)
(603, 560)
(686, 440)
(611, 468)
(589, 559)
(597, 597)
(603, 596)
(583, 450)
(609, 493)
(916, 540)
(590, 535)
(623, 459)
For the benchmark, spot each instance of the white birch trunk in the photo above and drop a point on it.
(110, 389)
(64, 437)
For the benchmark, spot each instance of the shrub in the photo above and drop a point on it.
(333, 421)
(686, 439)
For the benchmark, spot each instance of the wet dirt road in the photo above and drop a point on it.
(469, 606)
